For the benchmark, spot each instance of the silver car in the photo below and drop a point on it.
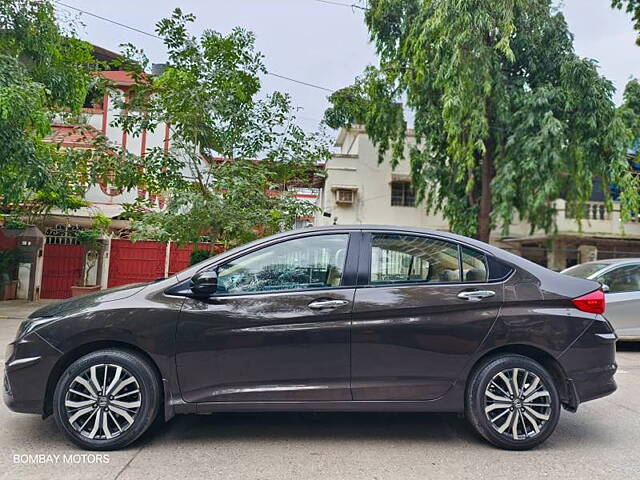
(620, 279)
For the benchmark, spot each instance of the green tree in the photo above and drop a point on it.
(232, 145)
(44, 72)
(632, 7)
(507, 117)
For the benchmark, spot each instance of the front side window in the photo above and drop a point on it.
(623, 279)
(302, 263)
(406, 258)
(402, 195)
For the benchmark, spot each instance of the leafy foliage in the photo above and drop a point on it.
(632, 7)
(9, 261)
(507, 117)
(236, 153)
(199, 255)
(43, 72)
(90, 237)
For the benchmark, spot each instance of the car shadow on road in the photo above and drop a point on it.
(220, 428)
(429, 428)
(315, 426)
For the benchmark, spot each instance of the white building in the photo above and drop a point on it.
(94, 121)
(359, 190)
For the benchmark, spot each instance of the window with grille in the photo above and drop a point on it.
(402, 195)
(345, 196)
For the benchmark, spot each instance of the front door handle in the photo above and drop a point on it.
(476, 295)
(326, 304)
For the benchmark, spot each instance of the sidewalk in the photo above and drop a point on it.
(21, 308)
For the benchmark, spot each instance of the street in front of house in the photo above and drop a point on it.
(595, 442)
(483, 119)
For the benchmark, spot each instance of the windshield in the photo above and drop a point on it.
(585, 270)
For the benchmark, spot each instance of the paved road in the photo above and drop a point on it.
(600, 441)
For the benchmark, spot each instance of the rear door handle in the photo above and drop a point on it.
(476, 295)
(326, 304)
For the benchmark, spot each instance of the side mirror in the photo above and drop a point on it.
(604, 286)
(204, 283)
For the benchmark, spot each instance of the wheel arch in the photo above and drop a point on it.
(72, 355)
(544, 358)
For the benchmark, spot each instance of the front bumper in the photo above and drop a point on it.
(590, 364)
(29, 362)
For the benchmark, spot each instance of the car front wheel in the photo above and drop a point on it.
(512, 402)
(106, 399)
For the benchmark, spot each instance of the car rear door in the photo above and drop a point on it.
(278, 329)
(422, 307)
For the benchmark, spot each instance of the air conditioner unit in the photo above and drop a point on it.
(345, 196)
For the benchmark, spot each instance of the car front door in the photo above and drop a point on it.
(277, 328)
(425, 307)
(623, 298)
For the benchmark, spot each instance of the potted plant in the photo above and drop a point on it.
(90, 238)
(9, 260)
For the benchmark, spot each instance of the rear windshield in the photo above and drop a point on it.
(584, 270)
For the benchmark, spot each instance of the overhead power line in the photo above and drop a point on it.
(153, 35)
(340, 4)
(301, 82)
(107, 20)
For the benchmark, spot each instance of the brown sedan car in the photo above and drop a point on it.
(361, 318)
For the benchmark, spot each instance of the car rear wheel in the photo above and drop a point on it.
(106, 399)
(512, 402)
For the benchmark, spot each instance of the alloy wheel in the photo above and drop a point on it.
(103, 401)
(517, 403)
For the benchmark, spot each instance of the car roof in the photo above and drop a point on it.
(613, 261)
(395, 229)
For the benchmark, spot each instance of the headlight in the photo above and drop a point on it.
(30, 324)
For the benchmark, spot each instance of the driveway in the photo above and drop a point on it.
(600, 441)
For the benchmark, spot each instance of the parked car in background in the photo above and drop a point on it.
(361, 318)
(620, 279)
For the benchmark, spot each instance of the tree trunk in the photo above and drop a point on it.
(484, 215)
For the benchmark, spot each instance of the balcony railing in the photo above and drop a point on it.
(592, 211)
(596, 219)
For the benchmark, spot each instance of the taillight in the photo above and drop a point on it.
(591, 302)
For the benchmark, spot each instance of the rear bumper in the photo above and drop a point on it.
(590, 365)
(29, 362)
(590, 385)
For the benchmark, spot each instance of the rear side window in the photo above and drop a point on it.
(474, 267)
(498, 270)
(397, 258)
(406, 259)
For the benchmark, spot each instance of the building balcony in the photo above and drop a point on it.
(596, 220)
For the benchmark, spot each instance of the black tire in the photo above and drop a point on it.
(488, 424)
(145, 382)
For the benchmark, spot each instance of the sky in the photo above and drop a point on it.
(318, 42)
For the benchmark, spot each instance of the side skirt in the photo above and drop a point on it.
(452, 402)
(346, 406)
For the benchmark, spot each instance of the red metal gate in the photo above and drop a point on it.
(133, 262)
(61, 269)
